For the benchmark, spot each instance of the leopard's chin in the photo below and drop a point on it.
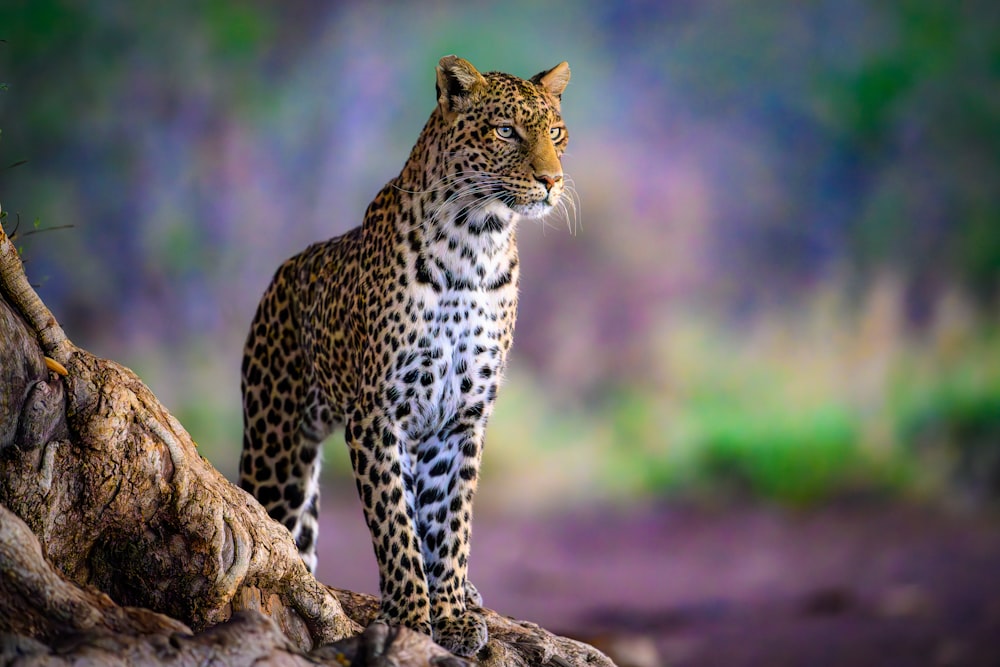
(536, 209)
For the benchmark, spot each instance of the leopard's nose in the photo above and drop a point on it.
(548, 180)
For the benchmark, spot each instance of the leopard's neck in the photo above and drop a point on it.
(450, 247)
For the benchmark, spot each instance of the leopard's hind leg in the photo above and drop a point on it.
(285, 418)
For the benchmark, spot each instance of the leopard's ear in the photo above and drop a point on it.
(553, 80)
(457, 80)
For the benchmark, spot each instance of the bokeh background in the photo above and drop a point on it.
(786, 283)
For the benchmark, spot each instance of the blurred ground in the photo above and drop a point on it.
(844, 585)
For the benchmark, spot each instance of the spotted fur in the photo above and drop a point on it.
(399, 330)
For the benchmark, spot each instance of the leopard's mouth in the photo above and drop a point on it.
(532, 202)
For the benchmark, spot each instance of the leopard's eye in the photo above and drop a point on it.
(556, 133)
(505, 132)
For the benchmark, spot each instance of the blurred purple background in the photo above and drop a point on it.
(785, 287)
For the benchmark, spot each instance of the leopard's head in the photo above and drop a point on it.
(502, 139)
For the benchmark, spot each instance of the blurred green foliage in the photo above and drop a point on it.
(949, 418)
(763, 416)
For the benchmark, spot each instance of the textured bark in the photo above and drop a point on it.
(119, 543)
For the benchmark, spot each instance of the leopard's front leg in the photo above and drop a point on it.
(384, 480)
(447, 471)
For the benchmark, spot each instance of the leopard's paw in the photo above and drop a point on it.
(472, 596)
(463, 635)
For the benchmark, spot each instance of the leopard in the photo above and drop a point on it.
(398, 331)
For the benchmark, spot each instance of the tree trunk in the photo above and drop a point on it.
(120, 544)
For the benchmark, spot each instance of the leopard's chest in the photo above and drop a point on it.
(451, 360)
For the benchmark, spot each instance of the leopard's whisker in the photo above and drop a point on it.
(570, 203)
